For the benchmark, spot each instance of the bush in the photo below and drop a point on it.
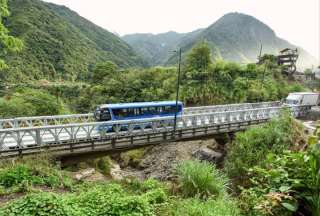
(275, 185)
(27, 173)
(284, 184)
(15, 107)
(251, 147)
(94, 199)
(144, 186)
(111, 199)
(133, 157)
(200, 179)
(30, 102)
(102, 164)
(45, 204)
(211, 207)
(15, 176)
(312, 191)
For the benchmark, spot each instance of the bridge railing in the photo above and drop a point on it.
(24, 138)
(35, 121)
(230, 107)
(27, 122)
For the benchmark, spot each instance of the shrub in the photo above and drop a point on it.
(111, 199)
(274, 185)
(94, 199)
(102, 164)
(251, 147)
(155, 196)
(278, 186)
(312, 192)
(45, 204)
(15, 176)
(15, 107)
(26, 173)
(200, 179)
(30, 102)
(144, 186)
(211, 207)
(133, 157)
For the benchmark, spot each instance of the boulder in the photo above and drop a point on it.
(82, 174)
(206, 154)
(116, 172)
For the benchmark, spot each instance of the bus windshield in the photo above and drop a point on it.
(104, 114)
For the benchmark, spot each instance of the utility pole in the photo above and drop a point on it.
(260, 54)
(177, 94)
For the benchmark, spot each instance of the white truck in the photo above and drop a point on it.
(303, 98)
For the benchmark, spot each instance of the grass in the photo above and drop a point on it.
(201, 179)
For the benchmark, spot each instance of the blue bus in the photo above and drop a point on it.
(140, 110)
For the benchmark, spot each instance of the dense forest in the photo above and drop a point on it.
(55, 62)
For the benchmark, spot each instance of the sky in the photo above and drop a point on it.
(297, 21)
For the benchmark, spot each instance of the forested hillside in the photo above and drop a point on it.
(234, 37)
(59, 43)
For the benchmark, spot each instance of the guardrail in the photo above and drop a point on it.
(230, 107)
(71, 137)
(24, 122)
(34, 121)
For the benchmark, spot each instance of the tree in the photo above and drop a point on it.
(103, 70)
(197, 76)
(268, 57)
(7, 43)
(199, 59)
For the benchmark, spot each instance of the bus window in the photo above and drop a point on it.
(166, 109)
(136, 111)
(169, 109)
(153, 110)
(131, 112)
(144, 111)
(120, 113)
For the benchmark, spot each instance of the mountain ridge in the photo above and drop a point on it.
(59, 43)
(236, 37)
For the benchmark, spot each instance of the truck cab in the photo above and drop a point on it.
(303, 98)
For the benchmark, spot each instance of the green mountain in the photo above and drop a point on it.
(60, 44)
(157, 48)
(234, 37)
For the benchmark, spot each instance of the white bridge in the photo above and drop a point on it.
(79, 133)
(37, 121)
